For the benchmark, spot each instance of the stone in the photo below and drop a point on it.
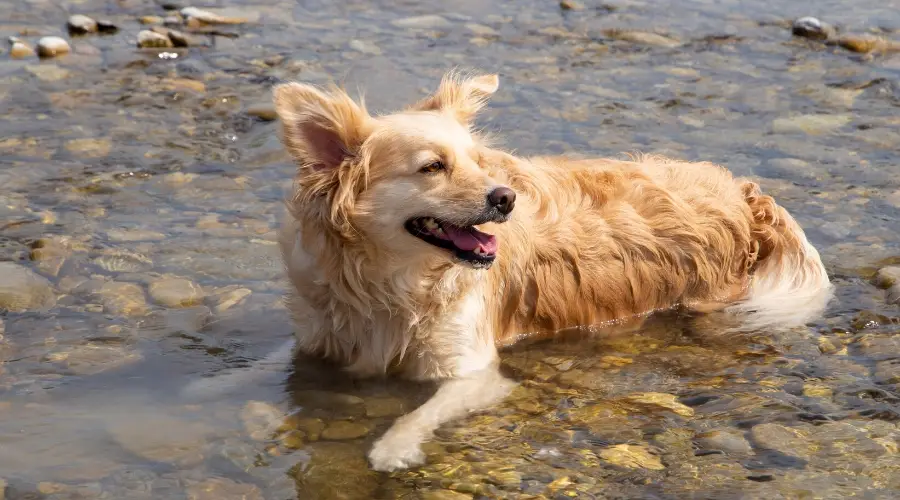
(336, 471)
(161, 438)
(23, 290)
(222, 301)
(116, 260)
(642, 38)
(864, 44)
(888, 278)
(184, 84)
(132, 235)
(430, 21)
(107, 27)
(631, 457)
(2, 489)
(178, 38)
(777, 437)
(364, 47)
(20, 50)
(90, 147)
(311, 427)
(812, 28)
(93, 359)
(810, 124)
(122, 299)
(343, 430)
(152, 40)
(888, 371)
(208, 17)
(570, 5)
(48, 72)
(150, 20)
(49, 254)
(442, 495)
(80, 25)
(261, 420)
(52, 46)
(728, 441)
(265, 112)
(176, 292)
(384, 407)
(667, 401)
(219, 488)
(817, 390)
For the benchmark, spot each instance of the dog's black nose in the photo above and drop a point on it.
(503, 199)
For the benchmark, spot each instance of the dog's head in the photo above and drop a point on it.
(407, 183)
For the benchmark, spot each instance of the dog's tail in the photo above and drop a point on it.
(790, 285)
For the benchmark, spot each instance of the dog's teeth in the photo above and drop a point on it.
(431, 224)
(479, 252)
(439, 231)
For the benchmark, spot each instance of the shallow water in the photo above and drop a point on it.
(133, 182)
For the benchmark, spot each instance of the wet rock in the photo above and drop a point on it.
(23, 290)
(817, 390)
(631, 456)
(117, 261)
(864, 44)
(132, 235)
(152, 40)
(49, 254)
(176, 292)
(343, 430)
(20, 50)
(336, 471)
(107, 27)
(812, 28)
(2, 489)
(90, 147)
(80, 25)
(782, 439)
(311, 427)
(150, 20)
(122, 299)
(93, 359)
(582, 379)
(48, 72)
(570, 5)
(866, 320)
(384, 407)
(261, 420)
(810, 124)
(207, 17)
(365, 47)
(724, 440)
(667, 401)
(422, 22)
(161, 438)
(443, 495)
(888, 371)
(264, 112)
(642, 38)
(222, 301)
(530, 368)
(52, 46)
(182, 84)
(888, 278)
(178, 38)
(219, 488)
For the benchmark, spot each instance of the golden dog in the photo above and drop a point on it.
(415, 249)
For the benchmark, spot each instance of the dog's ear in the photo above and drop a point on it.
(320, 129)
(464, 97)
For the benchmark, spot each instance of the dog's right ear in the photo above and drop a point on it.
(321, 130)
(463, 96)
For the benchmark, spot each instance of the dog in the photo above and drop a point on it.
(415, 249)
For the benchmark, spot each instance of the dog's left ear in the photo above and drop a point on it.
(464, 97)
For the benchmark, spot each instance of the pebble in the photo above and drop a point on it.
(812, 28)
(21, 289)
(176, 292)
(122, 299)
(864, 44)
(261, 420)
(422, 22)
(631, 456)
(178, 38)
(642, 38)
(888, 278)
(667, 401)
(888, 371)
(265, 112)
(207, 17)
(364, 47)
(80, 25)
(151, 39)
(779, 438)
(132, 235)
(20, 50)
(384, 407)
(48, 72)
(220, 488)
(343, 430)
(810, 124)
(161, 438)
(49, 255)
(89, 147)
(93, 359)
(107, 27)
(223, 301)
(52, 46)
(724, 440)
(151, 20)
(570, 5)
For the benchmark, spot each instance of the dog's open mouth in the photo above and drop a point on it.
(466, 242)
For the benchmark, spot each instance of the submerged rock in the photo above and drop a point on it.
(812, 28)
(52, 46)
(725, 440)
(667, 401)
(888, 278)
(81, 25)
(20, 50)
(152, 40)
(642, 38)
(22, 290)
(343, 430)
(176, 292)
(631, 456)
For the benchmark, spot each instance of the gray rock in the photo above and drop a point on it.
(225, 300)
(888, 278)
(23, 290)
(176, 292)
(422, 22)
(812, 28)
(724, 440)
(782, 439)
(152, 40)
(81, 25)
(888, 371)
(52, 46)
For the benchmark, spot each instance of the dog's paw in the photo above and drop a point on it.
(396, 450)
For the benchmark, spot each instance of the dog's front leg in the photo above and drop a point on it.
(400, 446)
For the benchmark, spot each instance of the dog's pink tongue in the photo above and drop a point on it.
(468, 239)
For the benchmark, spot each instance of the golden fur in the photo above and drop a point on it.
(589, 241)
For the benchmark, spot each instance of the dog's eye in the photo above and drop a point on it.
(435, 166)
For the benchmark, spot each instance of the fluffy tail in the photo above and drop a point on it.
(218, 385)
(790, 286)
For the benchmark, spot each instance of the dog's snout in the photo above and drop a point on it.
(503, 199)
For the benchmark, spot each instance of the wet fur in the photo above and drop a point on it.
(590, 241)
